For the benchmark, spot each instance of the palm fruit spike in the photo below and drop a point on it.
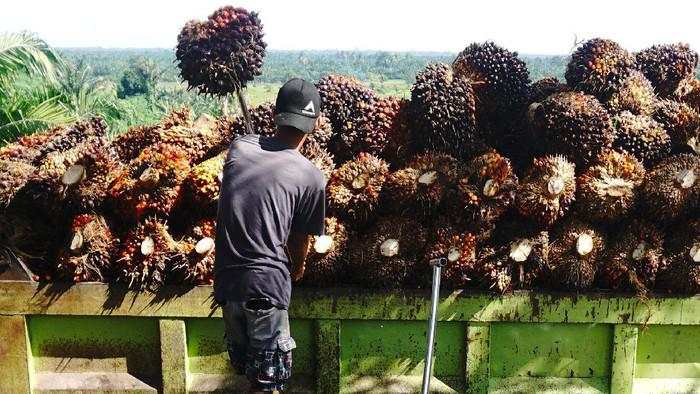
(324, 263)
(222, 54)
(73, 135)
(668, 66)
(347, 103)
(598, 67)
(353, 190)
(319, 157)
(151, 183)
(146, 255)
(13, 176)
(322, 133)
(529, 260)
(424, 183)
(26, 148)
(683, 273)
(545, 87)
(486, 187)
(641, 136)
(635, 94)
(88, 180)
(86, 255)
(203, 182)
(387, 256)
(500, 78)
(382, 120)
(672, 188)
(401, 146)
(129, 144)
(443, 107)
(692, 96)
(547, 190)
(575, 255)
(492, 269)
(197, 247)
(459, 248)
(197, 141)
(575, 124)
(681, 122)
(608, 189)
(634, 259)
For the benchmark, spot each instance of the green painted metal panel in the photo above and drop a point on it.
(624, 358)
(328, 356)
(96, 344)
(548, 385)
(550, 350)
(173, 355)
(14, 358)
(391, 348)
(478, 336)
(668, 352)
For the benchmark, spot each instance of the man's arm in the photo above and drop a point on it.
(297, 249)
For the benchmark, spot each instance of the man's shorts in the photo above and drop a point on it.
(259, 343)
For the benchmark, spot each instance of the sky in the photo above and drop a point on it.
(529, 27)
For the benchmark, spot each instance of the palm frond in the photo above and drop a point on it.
(24, 52)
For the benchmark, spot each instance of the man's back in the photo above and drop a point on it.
(267, 191)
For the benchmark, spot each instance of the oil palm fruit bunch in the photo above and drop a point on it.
(493, 270)
(575, 125)
(32, 240)
(499, 77)
(146, 254)
(324, 263)
(545, 87)
(388, 255)
(201, 187)
(353, 190)
(486, 187)
(641, 136)
(73, 135)
(319, 157)
(681, 122)
(528, 258)
(424, 184)
(13, 176)
(635, 94)
(400, 145)
(88, 180)
(634, 258)
(26, 148)
(222, 54)
(197, 140)
(151, 183)
(129, 144)
(608, 189)
(86, 255)
(322, 133)
(197, 265)
(668, 67)
(683, 272)
(347, 103)
(443, 106)
(547, 190)
(383, 121)
(692, 96)
(575, 255)
(459, 248)
(262, 121)
(598, 67)
(672, 188)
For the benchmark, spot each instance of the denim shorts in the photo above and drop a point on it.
(258, 342)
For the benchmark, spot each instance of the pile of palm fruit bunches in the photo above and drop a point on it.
(588, 183)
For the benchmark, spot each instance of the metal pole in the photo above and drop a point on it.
(435, 297)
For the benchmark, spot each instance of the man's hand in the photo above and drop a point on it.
(297, 249)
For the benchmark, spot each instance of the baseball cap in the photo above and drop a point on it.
(298, 105)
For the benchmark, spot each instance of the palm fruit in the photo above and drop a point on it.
(486, 187)
(681, 122)
(86, 255)
(598, 67)
(443, 107)
(401, 146)
(545, 87)
(459, 248)
(528, 258)
(151, 183)
(388, 255)
(198, 139)
(672, 188)
(634, 259)
(201, 187)
(319, 157)
(129, 144)
(575, 255)
(145, 256)
(13, 176)
(26, 148)
(382, 122)
(668, 66)
(324, 262)
(353, 190)
(322, 133)
(195, 260)
(683, 272)
(575, 124)
(641, 136)
(547, 190)
(222, 54)
(88, 180)
(608, 189)
(692, 96)
(635, 94)
(499, 77)
(492, 270)
(423, 184)
(262, 121)
(72, 136)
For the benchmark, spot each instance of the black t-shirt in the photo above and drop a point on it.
(267, 192)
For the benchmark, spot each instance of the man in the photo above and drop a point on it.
(272, 200)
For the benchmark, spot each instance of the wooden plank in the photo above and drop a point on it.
(624, 358)
(173, 355)
(328, 356)
(477, 368)
(15, 358)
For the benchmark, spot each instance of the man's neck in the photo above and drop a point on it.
(290, 138)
